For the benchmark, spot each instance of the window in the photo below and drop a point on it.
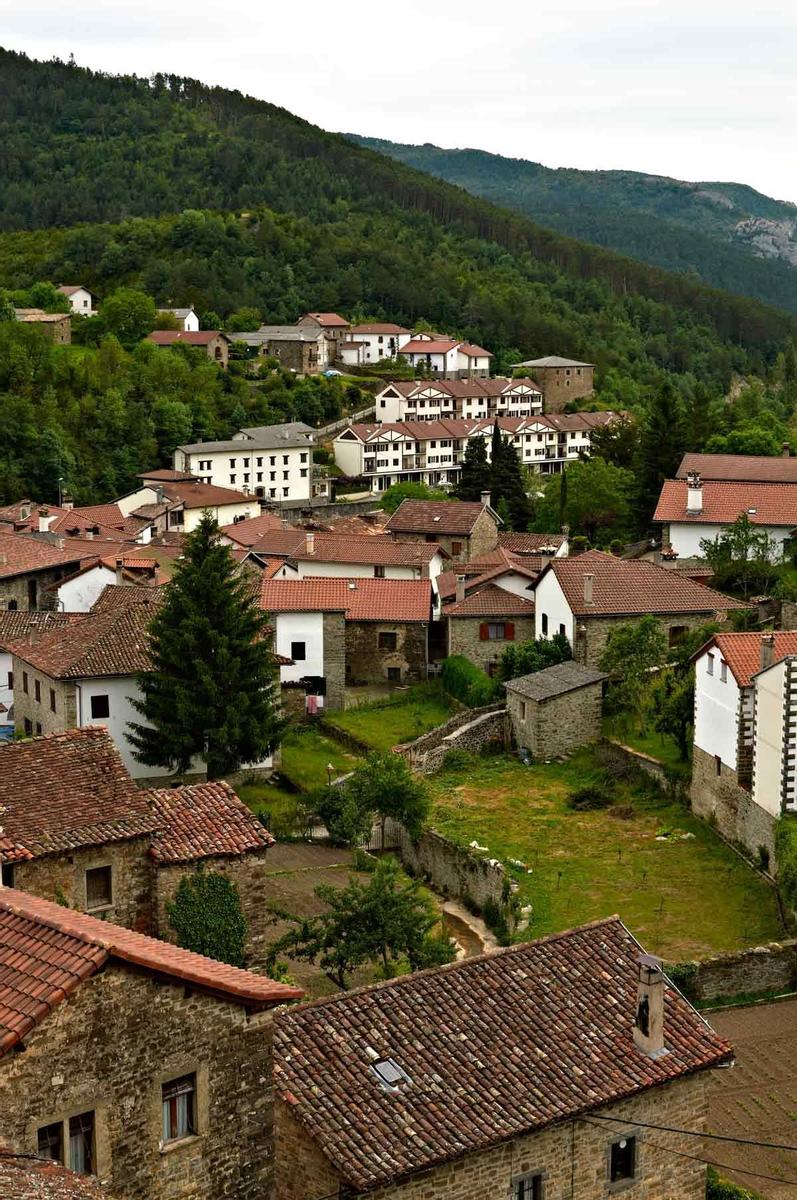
(232, 462)
(562, 630)
(99, 891)
(303, 458)
(298, 651)
(676, 634)
(379, 571)
(394, 674)
(387, 641)
(495, 631)
(709, 664)
(37, 691)
(303, 472)
(456, 547)
(544, 624)
(179, 1108)
(50, 1142)
(622, 1159)
(522, 710)
(25, 682)
(28, 727)
(52, 699)
(100, 707)
(38, 728)
(12, 606)
(81, 1143)
(528, 1187)
(232, 479)
(7, 874)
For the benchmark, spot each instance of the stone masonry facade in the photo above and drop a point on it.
(378, 651)
(560, 385)
(334, 631)
(50, 709)
(15, 593)
(592, 633)
(557, 726)
(482, 539)
(109, 1050)
(573, 1157)
(464, 637)
(718, 797)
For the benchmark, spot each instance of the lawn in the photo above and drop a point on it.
(658, 745)
(682, 897)
(383, 725)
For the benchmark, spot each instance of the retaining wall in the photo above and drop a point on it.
(770, 968)
(473, 729)
(452, 870)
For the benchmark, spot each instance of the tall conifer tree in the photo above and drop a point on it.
(475, 474)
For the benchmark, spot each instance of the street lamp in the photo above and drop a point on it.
(330, 773)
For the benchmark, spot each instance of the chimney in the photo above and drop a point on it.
(310, 542)
(160, 495)
(24, 512)
(785, 450)
(285, 524)
(88, 533)
(119, 575)
(67, 502)
(694, 493)
(486, 497)
(589, 580)
(649, 1020)
(460, 592)
(44, 520)
(767, 650)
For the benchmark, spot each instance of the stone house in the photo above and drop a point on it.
(481, 623)
(57, 327)
(554, 711)
(332, 326)
(215, 343)
(693, 510)
(387, 631)
(462, 528)
(23, 1177)
(129, 1059)
(561, 379)
(13, 627)
(586, 597)
(529, 1072)
(29, 566)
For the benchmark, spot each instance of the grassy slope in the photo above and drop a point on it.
(383, 726)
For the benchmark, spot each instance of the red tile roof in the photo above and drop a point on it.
(203, 820)
(764, 503)
(246, 533)
(462, 389)
(47, 951)
(16, 625)
(200, 337)
(471, 351)
(529, 543)
(495, 1047)
(113, 639)
(490, 601)
(23, 1177)
(366, 549)
(632, 587)
(742, 651)
(327, 318)
(22, 555)
(740, 467)
(419, 346)
(194, 494)
(450, 517)
(390, 600)
(67, 790)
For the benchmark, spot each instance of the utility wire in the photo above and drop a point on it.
(717, 1137)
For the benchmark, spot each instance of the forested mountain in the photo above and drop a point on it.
(727, 234)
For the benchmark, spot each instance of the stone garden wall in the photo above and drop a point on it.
(474, 729)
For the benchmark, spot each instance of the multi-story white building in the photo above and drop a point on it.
(377, 340)
(432, 451)
(447, 357)
(692, 510)
(471, 399)
(271, 462)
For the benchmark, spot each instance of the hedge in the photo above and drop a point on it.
(467, 683)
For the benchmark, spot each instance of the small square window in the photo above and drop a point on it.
(99, 890)
(50, 1142)
(394, 674)
(379, 572)
(298, 651)
(179, 1108)
(100, 707)
(622, 1159)
(456, 547)
(387, 640)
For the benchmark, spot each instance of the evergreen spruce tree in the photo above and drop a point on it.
(211, 691)
(506, 481)
(662, 445)
(474, 477)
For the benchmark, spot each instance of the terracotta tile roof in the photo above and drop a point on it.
(379, 551)
(764, 503)
(327, 318)
(28, 1178)
(495, 1047)
(103, 514)
(419, 346)
(22, 555)
(203, 820)
(166, 474)
(742, 651)
(390, 600)
(529, 543)
(632, 587)
(193, 494)
(740, 467)
(110, 640)
(490, 601)
(553, 360)
(47, 951)
(16, 625)
(462, 389)
(246, 533)
(471, 351)
(421, 431)
(449, 517)
(200, 337)
(69, 289)
(66, 790)
(377, 327)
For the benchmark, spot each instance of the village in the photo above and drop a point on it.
(350, 804)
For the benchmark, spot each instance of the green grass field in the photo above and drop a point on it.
(658, 745)
(682, 897)
(384, 725)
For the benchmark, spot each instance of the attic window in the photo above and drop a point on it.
(389, 1073)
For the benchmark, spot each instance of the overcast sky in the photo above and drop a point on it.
(697, 89)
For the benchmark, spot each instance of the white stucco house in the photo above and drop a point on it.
(692, 510)
(447, 357)
(188, 319)
(81, 300)
(175, 500)
(269, 462)
(378, 340)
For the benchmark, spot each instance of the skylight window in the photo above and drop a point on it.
(389, 1073)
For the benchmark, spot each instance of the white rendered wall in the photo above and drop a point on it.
(768, 745)
(686, 538)
(79, 594)
(300, 627)
(349, 456)
(225, 514)
(550, 599)
(251, 468)
(716, 710)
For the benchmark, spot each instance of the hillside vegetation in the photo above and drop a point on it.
(726, 234)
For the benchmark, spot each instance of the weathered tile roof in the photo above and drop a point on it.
(554, 681)
(723, 502)
(67, 790)
(740, 467)
(203, 820)
(419, 346)
(461, 388)
(47, 951)
(195, 494)
(552, 360)
(16, 625)
(23, 1177)
(365, 549)
(471, 351)
(450, 517)
(113, 639)
(22, 555)
(200, 337)
(742, 651)
(390, 600)
(529, 543)
(495, 1047)
(490, 601)
(327, 318)
(246, 533)
(378, 327)
(632, 587)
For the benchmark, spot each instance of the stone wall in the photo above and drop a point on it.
(334, 633)
(40, 713)
(788, 614)
(416, 751)
(368, 662)
(473, 730)
(452, 870)
(14, 590)
(559, 388)
(763, 969)
(464, 637)
(592, 633)
(572, 1157)
(248, 873)
(63, 877)
(720, 799)
(109, 1049)
(555, 727)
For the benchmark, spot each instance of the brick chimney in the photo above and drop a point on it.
(589, 581)
(767, 654)
(694, 493)
(649, 1019)
(67, 502)
(119, 574)
(486, 497)
(460, 592)
(310, 542)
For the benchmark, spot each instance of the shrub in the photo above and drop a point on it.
(457, 760)
(207, 917)
(718, 1188)
(578, 545)
(467, 683)
(685, 977)
(786, 858)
